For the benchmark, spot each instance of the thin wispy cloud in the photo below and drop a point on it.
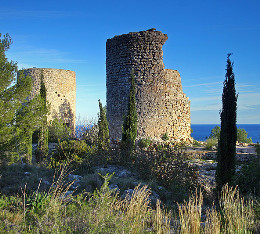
(204, 84)
(238, 86)
(246, 101)
(205, 78)
(249, 101)
(213, 91)
(205, 98)
(29, 55)
(211, 107)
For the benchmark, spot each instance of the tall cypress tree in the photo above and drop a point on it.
(103, 131)
(129, 128)
(43, 133)
(226, 154)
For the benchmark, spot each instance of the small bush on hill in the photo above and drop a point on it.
(197, 143)
(242, 136)
(58, 131)
(90, 136)
(144, 143)
(165, 136)
(248, 178)
(77, 151)
(210, 143)
(257, 148)
(170, 169)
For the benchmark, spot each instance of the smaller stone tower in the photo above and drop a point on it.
(60, 92)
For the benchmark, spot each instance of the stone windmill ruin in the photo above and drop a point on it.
(161, 105)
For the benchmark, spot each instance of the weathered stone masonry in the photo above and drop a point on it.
(60, 92)
(162, 107)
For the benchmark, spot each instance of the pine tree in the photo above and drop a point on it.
(43, 134)
(226, 154)
(129, 128)
(12, 94)
(103, 131)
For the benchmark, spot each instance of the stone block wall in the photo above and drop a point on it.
(60, 92)
(162, 107)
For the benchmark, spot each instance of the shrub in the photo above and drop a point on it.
(90, 136)
(144, 143)
(242, 136)
(210, 143)
(196, 143)
(248, 178)
(58, 131)
(257, 148)
(215, 132)
(77, 151)
(165, 136)
(170, 169)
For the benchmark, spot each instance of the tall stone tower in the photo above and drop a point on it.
(162, 107)
(60, 92)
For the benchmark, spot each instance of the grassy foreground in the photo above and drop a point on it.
(104, 211)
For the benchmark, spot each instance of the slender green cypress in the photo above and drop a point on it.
(226, 155)
(103, 131)
(43, 134)
(129, 128)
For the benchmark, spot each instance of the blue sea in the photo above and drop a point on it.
(202, 131)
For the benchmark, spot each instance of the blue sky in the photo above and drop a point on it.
(72, 35)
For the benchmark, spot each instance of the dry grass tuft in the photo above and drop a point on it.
(237, 215)
(190, 214)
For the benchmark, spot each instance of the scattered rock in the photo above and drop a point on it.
(124, 173)
(128, 194)
(72, 177)
(88, 188)
(153, 198)
(114, 187)
(119, 171)
(46, 182)
(67, 196)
